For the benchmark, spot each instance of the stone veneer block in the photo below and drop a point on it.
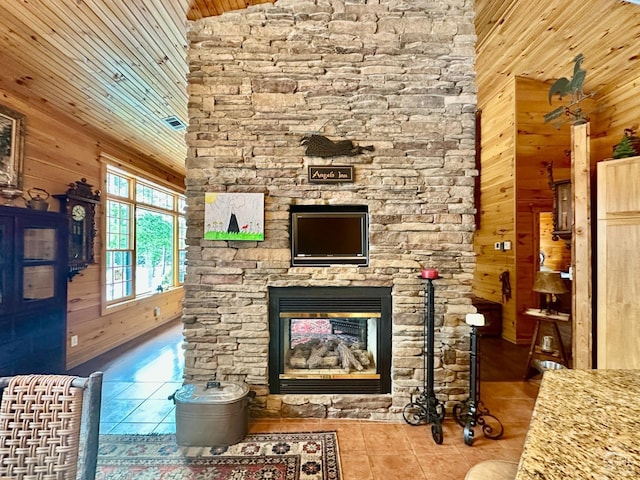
(395, 74)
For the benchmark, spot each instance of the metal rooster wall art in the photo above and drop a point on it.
(564, 87)
(321, 146)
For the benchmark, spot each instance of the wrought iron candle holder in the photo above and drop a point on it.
(472, 411)
(425, 407)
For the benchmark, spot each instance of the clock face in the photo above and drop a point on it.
(78, 213)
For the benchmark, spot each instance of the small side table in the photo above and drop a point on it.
(558, 354)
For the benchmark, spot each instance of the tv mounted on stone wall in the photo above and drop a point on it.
(324, 235)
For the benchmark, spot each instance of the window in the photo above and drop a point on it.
(145, 237)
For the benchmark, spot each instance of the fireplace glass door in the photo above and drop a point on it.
(329, 340)
(330, 345)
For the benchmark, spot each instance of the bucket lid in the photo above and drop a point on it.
(219, 393)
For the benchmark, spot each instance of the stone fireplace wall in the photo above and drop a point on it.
(394, 74)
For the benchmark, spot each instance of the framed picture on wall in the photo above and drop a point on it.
(563, 210)
(234, 216)
(11, 147)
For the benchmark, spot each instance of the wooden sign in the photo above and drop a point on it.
(333, 174)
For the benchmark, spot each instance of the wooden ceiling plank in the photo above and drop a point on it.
(523, 47)
(60, 59)
(102, 124)
(194, 14)
(126, 103)
(176, 9)
(170, 16)
(157, 84)
(120, 35)
(54, 67)
(204, 8)
(514, 37)
(100, 96)
(149, 34)
(226, 6)
(489, 15)
(212, 7)
(117, 66)
(173, 48)
(67, 96)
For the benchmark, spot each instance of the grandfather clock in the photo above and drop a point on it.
(79, 204)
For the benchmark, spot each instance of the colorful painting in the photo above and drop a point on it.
(234, 216)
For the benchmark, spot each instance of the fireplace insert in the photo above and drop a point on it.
(330, 340)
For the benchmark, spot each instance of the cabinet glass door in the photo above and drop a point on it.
(33, 291)
(38, 274)
(38, 282)
(39, 244)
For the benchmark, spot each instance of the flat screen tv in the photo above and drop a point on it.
(323, 235)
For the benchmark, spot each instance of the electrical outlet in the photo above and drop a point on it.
(74, 340)
(506, 246)
(156, 311)
(497, 246)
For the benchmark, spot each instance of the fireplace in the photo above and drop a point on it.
(330, 340)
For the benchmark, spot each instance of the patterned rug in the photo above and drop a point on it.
(272, 456)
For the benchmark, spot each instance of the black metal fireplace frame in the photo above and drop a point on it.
(325, 300)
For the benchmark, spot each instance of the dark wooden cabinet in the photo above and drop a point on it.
(33, 291)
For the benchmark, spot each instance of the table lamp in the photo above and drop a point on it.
(551, 284)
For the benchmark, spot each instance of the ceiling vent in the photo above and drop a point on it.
(174, 122)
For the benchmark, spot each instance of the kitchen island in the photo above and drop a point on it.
(585, 425)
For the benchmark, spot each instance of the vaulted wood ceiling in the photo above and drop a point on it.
(540, 39)
(113, 65)
(120, 66)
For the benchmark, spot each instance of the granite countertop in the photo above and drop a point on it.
(585, 425)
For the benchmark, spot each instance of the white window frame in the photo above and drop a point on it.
(176, 210)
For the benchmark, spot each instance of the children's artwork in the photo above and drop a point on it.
(234, 216)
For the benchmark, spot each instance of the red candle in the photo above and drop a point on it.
(429, 273)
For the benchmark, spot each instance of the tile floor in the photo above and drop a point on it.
(138, 381)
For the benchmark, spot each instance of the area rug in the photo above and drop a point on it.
(271, 456)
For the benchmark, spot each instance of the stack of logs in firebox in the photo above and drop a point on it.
(330, 354)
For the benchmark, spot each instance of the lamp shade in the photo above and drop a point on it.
(549, 282)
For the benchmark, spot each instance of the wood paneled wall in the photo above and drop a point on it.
(100, 333)
(59, 152)
(516, 147)
(539, 40)
(557, 253)
(537, 145)
(497, 206)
